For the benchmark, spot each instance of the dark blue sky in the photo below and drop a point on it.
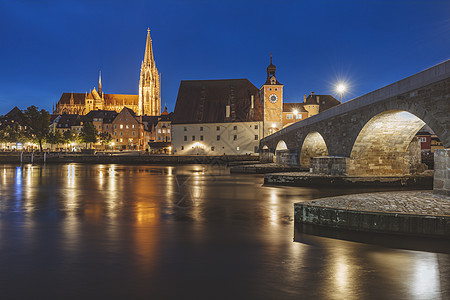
(59, 46)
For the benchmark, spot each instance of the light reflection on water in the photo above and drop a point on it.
(178, 231)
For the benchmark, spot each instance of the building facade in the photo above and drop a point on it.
(217, 117)
(147, 102)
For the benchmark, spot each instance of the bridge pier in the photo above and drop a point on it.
(329, 165)
(441, 184)
(288, 157)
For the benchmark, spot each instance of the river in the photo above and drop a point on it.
(189, 232)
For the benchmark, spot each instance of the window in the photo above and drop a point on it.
(159, 130)
(121, 133)
(201, 138)
(256, 149)
(115, 133)
(201, 128)
(133, 132)
(117, 140)
(121, 126)
(182, 147)
(164, 131)
(218, 128)
(212, 148)
(185, 128)
(423, 139)
(256, 137)
(127, 126)
(289, 116)
(168, 130)
(107, 126)
(218, 137)
(99, 126)
(234, 137)
(115, 126)
(234, 127)
(121, 140)
(193, 137)
(256, 126)
(132, 126)
(185, 138)
(159, 138)
(237, 148)
(299, 116)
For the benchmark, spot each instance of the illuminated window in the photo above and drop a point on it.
(289, 116)
(127, 126)
(121, 140)
(237, 148)
(121, 126)
(299, 116)
(132, 126)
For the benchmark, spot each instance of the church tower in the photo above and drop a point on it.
(272, 97)
(149, 83)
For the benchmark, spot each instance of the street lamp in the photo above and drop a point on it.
(340, 88)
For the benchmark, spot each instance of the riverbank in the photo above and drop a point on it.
(122, 158)
(305, 179)
(418, 213)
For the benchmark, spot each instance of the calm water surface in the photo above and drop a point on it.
(188, 232)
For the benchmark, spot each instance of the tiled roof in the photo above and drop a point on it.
(205, 101)
(68, 120)
(107, 115)
(290, 107)
(119, 99)
(325, 101)
(78, 98)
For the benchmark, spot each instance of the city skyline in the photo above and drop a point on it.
(57, 47)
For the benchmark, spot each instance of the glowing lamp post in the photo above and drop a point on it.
(340, 88)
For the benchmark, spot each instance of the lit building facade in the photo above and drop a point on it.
(147, 102)
(217, 117)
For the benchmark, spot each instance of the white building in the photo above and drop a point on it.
(217, 117)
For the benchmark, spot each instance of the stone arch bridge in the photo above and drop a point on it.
(372, 134)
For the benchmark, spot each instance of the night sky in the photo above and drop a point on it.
(50, 47)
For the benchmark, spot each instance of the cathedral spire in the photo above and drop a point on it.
(100, 82)
(148, 57)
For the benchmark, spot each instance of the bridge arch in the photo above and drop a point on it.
(386, 145)
(313, 145)
(281, 145)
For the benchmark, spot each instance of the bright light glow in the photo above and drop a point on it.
(273, 125)
(295, 112)
(340, 88)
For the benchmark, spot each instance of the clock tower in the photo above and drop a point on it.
(272, 97)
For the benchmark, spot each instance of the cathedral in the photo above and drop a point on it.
(148, 102)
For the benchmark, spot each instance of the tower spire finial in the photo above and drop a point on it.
(148, 57)
(270, 57)
(100, 82)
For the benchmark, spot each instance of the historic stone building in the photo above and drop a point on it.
(148, 102)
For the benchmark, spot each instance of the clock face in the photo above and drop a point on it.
(273, 98)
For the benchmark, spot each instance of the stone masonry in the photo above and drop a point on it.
(442, 172)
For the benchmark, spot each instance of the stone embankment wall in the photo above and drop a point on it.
(126, 159)
(442, 172)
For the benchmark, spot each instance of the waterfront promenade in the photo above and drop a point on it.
(407, 212)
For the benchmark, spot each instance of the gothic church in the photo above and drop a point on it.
(148, 102)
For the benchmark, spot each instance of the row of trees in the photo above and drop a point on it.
(33, 126)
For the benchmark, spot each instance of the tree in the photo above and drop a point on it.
(70, 136)
(88, 133)
(36, 123)
(55, 138)
(105, 138)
